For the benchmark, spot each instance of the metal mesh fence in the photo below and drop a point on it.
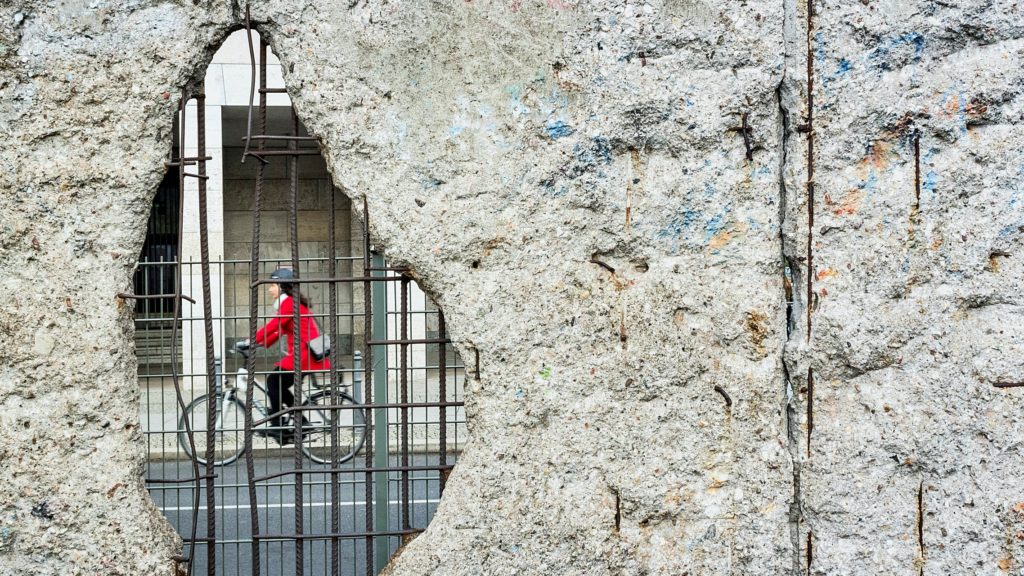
(414, 434)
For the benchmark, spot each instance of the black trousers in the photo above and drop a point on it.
(279, 387)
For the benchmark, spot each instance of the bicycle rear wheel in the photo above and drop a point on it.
(228, 436)
(351, 424)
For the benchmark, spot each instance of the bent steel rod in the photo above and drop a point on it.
(176, 318)
(332, 299)
(442, 393)
(250, 361)
(211, 376)
(368, 389)
(403, 376)
(293, 239)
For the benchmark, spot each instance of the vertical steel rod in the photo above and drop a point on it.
(442, 392)
(211, 384)
(297, 345)
(368, 397)
(403, 363)
(382, 455)
(332, 298)
(250, 465)
(174, 331)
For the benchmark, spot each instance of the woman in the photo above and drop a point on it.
(281, 380)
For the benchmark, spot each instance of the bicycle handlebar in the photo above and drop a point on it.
(245, 352)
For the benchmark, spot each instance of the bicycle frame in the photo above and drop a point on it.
(318, 424)
(240, 385)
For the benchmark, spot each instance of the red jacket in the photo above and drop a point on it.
(282, 325)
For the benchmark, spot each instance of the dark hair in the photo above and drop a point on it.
(293, 291)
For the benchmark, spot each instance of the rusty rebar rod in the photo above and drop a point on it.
(250, 465)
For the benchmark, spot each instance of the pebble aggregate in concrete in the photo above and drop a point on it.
(571, 182)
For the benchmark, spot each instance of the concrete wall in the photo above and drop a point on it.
(569, 182)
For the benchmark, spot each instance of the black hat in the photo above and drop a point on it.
(282, 274)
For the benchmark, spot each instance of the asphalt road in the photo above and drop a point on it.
(276, 500)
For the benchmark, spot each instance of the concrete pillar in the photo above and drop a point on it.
(193, 337)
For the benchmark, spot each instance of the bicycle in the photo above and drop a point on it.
(229, 422)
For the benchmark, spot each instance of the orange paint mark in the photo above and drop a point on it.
(936, 243)
(952, 107)
(1005, 564)
(880, 154)
(1019, 508)
(826, 273)
(851, 203)
(720, 239)
(975, 110)
(823, 292)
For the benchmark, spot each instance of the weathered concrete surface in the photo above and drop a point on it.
(914, 464)
(86, 128)
(505, 147)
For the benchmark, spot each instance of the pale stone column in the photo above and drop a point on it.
(193, 338)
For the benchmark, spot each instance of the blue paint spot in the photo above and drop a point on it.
(930, 179)
(603, 150)
(558, 129)
(1009, 230)
(715, 225)
(819, 47)
(1015, 195)
(516, 106)
(599, 152)
(680, 223)
(554, 102)
(753, 223)
(882, 55)
(842, 69)
(456, 130)
(869, 183)
(692, 227)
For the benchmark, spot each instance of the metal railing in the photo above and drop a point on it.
(274, 510)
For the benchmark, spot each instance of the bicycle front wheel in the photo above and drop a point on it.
(317, 443)
(228, 436)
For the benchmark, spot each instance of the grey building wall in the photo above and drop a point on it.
(313, 221)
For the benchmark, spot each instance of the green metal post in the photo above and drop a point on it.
(382, 497)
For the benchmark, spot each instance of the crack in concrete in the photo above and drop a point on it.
(788, 99)
(792, 426)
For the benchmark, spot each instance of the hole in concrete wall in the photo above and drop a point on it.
(415, 373)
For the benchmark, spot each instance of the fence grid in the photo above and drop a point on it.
(380, 430)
